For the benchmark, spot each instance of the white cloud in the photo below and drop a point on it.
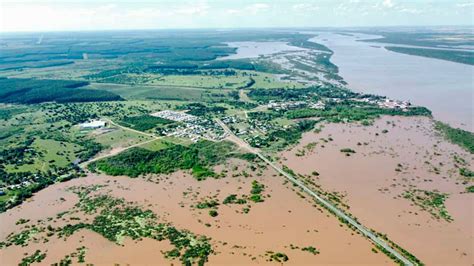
(388, 3)
(410, 10)
(232, 11)
(468, 4)
(197, 9)
(256, 8)
(305, 7)
(45, 17)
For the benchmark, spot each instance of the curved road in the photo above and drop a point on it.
(364, 230)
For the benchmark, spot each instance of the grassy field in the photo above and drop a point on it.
(75, 71)
(203, 81)
(156, 145)
(52, 154)
(155, 92)
(120, 138)
(270, 81)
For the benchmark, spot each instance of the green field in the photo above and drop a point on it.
(120, 138)
(53, 154)
(156, 145)
(155, 92)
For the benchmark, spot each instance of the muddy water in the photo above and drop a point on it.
(373, 188)
(238, 239)
(446, 88)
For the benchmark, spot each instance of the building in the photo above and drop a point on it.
(93, 124)
(175, 116)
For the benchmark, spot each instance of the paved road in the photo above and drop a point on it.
(365, 231)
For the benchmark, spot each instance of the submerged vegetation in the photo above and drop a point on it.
(458, 136)
(116, 219)
(125, 82)
(36, 257)
(430, 201)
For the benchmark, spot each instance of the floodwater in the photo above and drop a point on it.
(283, 219)
(257, 49)
(446, 88)
(374, 189)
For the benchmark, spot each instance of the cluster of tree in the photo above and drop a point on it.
(115, 218)
(199, 109)
(235, 64)
(416, 38)
(263, 116)
(33, 64)
(314, 92)
(137, 161)
(144, 122)
(463, 57)
(457, 136)
(20, 154)
(81, 112)
(30, 91)
(347, 112)
(288, 136)
(37, 181)
(293, 134)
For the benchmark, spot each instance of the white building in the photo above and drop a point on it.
(93, 124)
(175, 116)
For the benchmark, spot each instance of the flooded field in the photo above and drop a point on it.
(256, 49)
(280, 223)
(446, 88)
(390, 159)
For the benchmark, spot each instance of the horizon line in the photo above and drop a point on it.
(239, 28)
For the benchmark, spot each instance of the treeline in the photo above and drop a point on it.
(30, 91)
(33, 64)
(144, 122)
(351, 113)
(199, 109)
(463, 57)
(137, 161)
(293, 135)
(457, 136)
(282, 94)
(283, 137)
(41, 180)
(20, 154)
(211, 68)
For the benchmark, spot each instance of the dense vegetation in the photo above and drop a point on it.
(29, 91)
(114, 219)
(36, 257)
(458, 136)
(314, 92)
(350, 112)
(463, 57)
(423, 38)
(198, 157)
(144, 122)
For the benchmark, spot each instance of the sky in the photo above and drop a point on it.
(72, 15)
